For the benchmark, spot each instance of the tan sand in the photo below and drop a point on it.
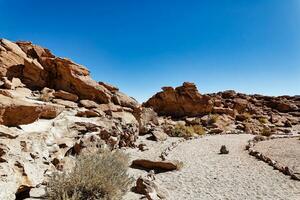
(208, 175)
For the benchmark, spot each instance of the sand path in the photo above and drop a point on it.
(208, 175)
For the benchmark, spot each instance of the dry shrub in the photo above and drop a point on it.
(181, 130)
(266, 132)
(100, 176)
(263, 120)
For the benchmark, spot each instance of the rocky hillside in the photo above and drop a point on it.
(228, 111)
(51, 110)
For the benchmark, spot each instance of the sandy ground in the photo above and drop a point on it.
(285, 151)
(208, 175)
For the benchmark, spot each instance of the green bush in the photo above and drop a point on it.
(100, 176)
(181, 130)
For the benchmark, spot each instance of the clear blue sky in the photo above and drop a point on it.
(251, 46)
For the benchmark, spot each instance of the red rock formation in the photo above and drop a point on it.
(181, 101)
(248, 113)
(37, 67)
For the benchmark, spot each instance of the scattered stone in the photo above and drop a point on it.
(159, 135)
(151, 189)
(157, 165)
(142, 147)
(224, 150)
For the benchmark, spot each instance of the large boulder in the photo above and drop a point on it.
(157, 165)
(14, 111)
(181, 101)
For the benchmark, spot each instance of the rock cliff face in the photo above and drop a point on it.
(37, 68)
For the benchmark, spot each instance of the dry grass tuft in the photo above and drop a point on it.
(101, 176)
(181, 130)
(263, 120)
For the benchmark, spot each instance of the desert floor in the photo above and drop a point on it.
(208, 175)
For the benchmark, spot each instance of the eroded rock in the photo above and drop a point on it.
(181, 101)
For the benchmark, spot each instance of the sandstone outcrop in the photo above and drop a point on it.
(181, 101)
(37, 68)
(228, 111)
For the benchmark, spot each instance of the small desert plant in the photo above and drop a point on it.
(266, 132)
(100, 176)
(263, 120)
(181, 130)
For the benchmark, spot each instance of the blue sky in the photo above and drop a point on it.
(251, 46)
